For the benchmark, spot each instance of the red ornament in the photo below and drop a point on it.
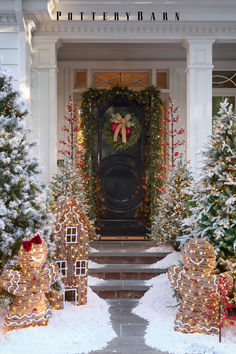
(35, 309)
(34, 292)
(34, 278)
(114, 126)
(128, 131)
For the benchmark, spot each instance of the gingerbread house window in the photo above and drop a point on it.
(62, 265)
(81, 268)
(71, 234)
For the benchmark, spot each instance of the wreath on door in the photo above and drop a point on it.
(122, 131)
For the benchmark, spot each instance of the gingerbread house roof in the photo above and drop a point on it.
(64, 206)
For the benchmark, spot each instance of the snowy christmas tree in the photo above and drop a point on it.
(69, 182)
(22, 201)
(214, 214)
(173, 207)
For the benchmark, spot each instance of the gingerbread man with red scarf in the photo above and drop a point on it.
(29, 284)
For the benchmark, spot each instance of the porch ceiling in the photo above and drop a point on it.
(137, 51)
(121, 51)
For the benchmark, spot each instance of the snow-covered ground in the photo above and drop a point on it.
(95, 280)
(159, 249)
(74, 330)
(158, 306)
(93, 250)
(92, 264)
(172, 258)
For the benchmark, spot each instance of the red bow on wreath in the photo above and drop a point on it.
(28, 244)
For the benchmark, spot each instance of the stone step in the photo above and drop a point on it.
(121, 289)
(126, 257)
(125, 271)
(121, 245)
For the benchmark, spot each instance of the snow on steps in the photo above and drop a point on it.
(124, 268)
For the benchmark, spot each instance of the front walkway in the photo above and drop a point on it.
(130, 330)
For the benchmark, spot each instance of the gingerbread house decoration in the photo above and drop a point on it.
(72, 233)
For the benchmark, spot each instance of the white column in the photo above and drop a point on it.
(44, 103)
(199, 98)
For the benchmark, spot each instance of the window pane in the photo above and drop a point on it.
(81, 80)
(162, 80)
(133, 80)
(83, 271)
(62, 267)
(80, 268)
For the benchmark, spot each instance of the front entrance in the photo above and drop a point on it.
(121, 190)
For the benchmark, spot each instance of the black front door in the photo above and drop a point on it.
(121, 192)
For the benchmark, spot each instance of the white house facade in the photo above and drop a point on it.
(58, 48)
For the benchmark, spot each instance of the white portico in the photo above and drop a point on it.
(188, 40)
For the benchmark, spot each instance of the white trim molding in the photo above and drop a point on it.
(135, 31)
(44, 103)
(199, 98)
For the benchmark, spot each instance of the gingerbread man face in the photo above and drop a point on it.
(199, 255)
(33, 256)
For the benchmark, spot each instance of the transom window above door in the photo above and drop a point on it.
(135, 80)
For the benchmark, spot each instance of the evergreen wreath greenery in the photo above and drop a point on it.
(131, 140)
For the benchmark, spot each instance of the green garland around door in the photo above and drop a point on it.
(150, 99)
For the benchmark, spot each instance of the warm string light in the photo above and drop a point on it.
(69, 219)
(194, 281)
(29, 284)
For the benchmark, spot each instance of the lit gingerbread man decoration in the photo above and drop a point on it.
(195, 281)
(29, 284)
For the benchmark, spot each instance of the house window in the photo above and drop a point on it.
(71, 234)
(81, 268)
(62, 265)
(162, 79)
(81, 80)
